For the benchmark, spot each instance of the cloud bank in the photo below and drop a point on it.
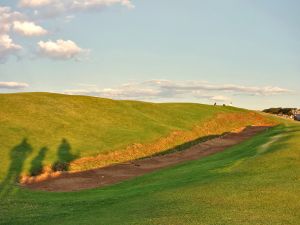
(54, 8)
(34, 3)
(70, 5)
(166, 89)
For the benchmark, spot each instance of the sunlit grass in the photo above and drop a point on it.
(242, 185)
(60, 128)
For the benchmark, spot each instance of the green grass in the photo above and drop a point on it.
(256, 182)
(52, 128)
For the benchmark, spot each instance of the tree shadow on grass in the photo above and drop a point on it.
(18, 155)
(64, 156)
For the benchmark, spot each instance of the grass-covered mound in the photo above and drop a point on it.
(39, 129)
(256, 182)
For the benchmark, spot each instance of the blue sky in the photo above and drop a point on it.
(244, 52)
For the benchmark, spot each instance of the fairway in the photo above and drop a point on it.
(256, 182)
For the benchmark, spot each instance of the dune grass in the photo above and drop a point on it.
(256, 182)
(54, 129)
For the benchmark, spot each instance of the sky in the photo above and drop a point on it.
(244, 52)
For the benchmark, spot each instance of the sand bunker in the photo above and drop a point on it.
(124, 171)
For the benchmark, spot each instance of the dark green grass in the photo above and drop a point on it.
(256, 182)
(56, 128)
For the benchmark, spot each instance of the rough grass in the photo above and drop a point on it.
(256, 182)
(42, 129)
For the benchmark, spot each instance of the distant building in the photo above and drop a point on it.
(297, 117)
(297, 114)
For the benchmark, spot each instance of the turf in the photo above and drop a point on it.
(256, 182)
(53, 129)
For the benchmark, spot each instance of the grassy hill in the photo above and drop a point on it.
(256, 182)
(42, 129)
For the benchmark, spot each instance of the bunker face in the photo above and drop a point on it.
(119, 172)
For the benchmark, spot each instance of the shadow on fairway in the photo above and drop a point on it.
(37, 163)
(18, 155)
(64, 156)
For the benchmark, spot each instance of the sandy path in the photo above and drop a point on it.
(119, 172)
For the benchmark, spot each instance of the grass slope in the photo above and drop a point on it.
(40, 128)
(256, 182)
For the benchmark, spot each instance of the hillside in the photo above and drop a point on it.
(49, 129)
(256, 182)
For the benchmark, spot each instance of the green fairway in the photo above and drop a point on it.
(50, 129)
(256, 182)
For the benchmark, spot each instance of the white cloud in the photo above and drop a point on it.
(51, 8)
(90, 4)
(14, 21)
(7, 17)
(166, 89)
(28, 28)
(13, 85)
(60, 49)
(74, 4)
(34, 3)
(25, 24)
(7, 47)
